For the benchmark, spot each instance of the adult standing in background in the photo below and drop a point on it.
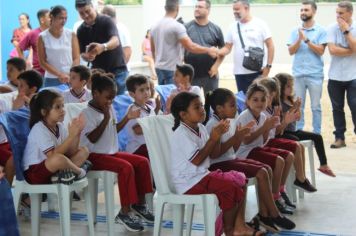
(307, 43)
(205, 33)
(342, 73)
(30, 40)
(147, 54)
(19, 33)
(167, 38)
(99, 43)
(255, 33)
(58, 49)
(124, 34)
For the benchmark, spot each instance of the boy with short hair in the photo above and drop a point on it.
(29, 82)
(78, 78)
(14, 67)
(139, 89)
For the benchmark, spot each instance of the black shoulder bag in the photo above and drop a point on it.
(253, 56)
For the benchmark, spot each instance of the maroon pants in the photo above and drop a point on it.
(134, 174)
(5, 153)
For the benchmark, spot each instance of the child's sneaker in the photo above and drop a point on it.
(144, 213)
(281, 207)
(287, 201)
(283, 222)
(306, 185)
(131, 222)
(87, 165)
(63, 177)
(268, 224)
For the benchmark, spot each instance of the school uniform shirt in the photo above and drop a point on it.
(11, 86)
(192, 89)
(269, 113)
(244, 118)
(229, 154)
(40, 141)
(71, 97)
(134, 141)
(108, 141)
(185, 145)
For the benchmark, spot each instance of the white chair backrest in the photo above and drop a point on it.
(157, 131)
(6, 100)
(72, 110)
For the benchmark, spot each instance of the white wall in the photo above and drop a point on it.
(281, 18)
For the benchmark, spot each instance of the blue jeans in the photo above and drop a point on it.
(337, 90)
(120, 79)
(51, 82)
(315, 87)
(165, 76)
(245, 80)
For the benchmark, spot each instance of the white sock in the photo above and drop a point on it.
(82, 174)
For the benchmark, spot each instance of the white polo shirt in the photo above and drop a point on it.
(185, 145)
(192, 89)
(108, 142)
(229, 154)
(134, 141)
(40, 141)
(244, 118)
(71, 97)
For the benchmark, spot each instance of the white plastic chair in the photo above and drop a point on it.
(309, 144)
(157, 130)
(15, 124)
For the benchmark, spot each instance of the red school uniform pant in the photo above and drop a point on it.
(248, 166)
(38, 174)
(142, 151)
(223, 186)
(282, 143)
(267, 155)
(133, 172)
(5, 153)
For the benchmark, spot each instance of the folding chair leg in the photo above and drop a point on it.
(35, 213)
(109, 201)
(17, 196)
(209, 216)
(64, 209)
(158, 216)
(311, 163)
(93, 190)
(149, 201)
(178, 214)
(87, 198)
(190, 213)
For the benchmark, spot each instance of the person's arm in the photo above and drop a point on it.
(225, 50)
(351, 41)
(192, 47)
(42, 58)
(75, 50)
(96, 133)
(132, 113)
(270, 55)
(335, 50)
(293, 47)
(153, 49)
(214, 69)
(127, 53)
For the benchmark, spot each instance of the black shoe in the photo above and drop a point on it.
(283, 222)
(254, 223)
(306, 186)
(287, 201)
(144, 213)
(130, 222)
(63, 177)
(268, 224)
(282, 209)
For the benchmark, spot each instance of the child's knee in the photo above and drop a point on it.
(280, 162)
(84, 152)
(262, 174)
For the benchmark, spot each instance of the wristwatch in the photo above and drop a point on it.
(307, 41)
(105, 46)
(269, 66)
(346, 32)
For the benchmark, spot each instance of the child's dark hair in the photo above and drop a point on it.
(283, 79)
(180, 103)
(18, 63)
(101, 82)
(32, 79)
(214, 98)
(83, 71)
(272, 85)
(42, 101)
(186, 70)
(255, 87)
(41, 13)
(135, 80)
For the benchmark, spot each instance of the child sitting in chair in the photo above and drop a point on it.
(78, 78)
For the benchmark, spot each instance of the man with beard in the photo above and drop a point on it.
(342, 73)
(255, 33)
(205, 33)
(307, 43)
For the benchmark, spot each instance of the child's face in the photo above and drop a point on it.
(142, 93)
(75, 82)
(257, 102)
(104, 99)
(23, 88)
(195, 113)
(56, 114)
(182, 82)
(229, 109)
(12, 73)
(288, 90)
(270, 98)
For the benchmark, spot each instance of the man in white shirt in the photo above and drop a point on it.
(255, 33)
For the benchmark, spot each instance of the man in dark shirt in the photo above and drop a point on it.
(99, 43)
(205, 33)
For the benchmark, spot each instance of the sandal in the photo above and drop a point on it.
(327, 171)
